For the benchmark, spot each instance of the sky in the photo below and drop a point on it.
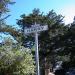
(6, 37)
(63, 7)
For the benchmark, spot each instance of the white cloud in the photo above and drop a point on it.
(69, 13)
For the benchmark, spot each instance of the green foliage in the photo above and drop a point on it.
(4, 6)
(15, 60)
(49, 41)
(3, 10)
(69, 42)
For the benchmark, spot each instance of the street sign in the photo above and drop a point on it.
(34, 29)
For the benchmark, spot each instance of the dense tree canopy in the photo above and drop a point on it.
(55, 44)
(4, 8)
(4, 5)
(49, 41)
(69, 45)
(15, 59)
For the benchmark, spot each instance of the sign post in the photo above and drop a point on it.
(37, 54)
(35, 29)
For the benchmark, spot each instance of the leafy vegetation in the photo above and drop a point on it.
(15, 60)
(56, 44)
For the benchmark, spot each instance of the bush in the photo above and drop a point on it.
(15, 60)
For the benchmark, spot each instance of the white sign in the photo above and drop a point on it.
(35, 29)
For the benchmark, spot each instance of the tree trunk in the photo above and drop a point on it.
(48, 69)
